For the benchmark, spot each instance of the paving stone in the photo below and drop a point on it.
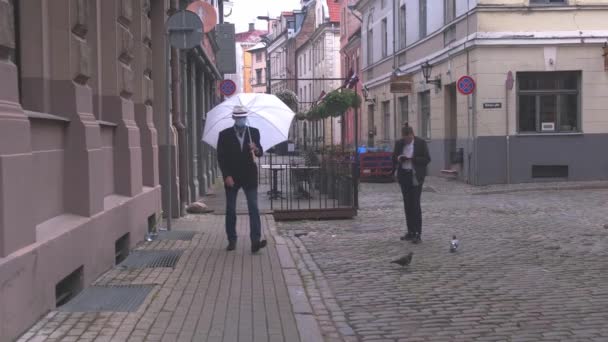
(506, 272)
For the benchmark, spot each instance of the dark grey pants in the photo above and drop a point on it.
(411, 201)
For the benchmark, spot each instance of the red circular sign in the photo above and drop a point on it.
(466, 85)
(227, 87)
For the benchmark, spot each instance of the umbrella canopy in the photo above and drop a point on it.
(267, 113)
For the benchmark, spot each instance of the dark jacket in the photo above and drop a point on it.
(420, 159)
(237, 162)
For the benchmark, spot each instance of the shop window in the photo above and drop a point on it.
(403, 108)
(386, 120)
(548, 102)
(425, 114)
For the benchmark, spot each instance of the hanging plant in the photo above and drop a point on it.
(337, 102)
(317, 112)
(289, 98)
(354, 98)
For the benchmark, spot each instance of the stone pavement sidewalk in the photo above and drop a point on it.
(210, 295)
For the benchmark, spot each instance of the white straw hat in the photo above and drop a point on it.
(239, 112)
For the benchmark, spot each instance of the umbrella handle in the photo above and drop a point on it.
(250, 142)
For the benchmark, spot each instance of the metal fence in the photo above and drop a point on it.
(313, 184)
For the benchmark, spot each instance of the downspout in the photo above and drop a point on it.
(469, 110)
(508, 165)
(395, 13)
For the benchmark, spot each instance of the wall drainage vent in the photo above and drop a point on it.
(152, 259)
(122, 298)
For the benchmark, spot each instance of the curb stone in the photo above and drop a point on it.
(308, 326)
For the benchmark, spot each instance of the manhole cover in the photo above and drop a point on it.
(175, 235)
(123, 298)
(151, 259)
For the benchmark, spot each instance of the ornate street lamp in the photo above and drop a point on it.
(426, 72)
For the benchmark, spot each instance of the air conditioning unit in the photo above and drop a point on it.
(291, 33)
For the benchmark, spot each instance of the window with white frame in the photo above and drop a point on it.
(384, 37)
(422, 19)
(402, 27)
(450, 10)
(370, 40)
(548, 101)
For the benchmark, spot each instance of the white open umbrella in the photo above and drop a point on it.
(267, 113)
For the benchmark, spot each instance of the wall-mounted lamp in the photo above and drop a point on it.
(426, 72)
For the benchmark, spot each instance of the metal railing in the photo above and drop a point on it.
(311, 184)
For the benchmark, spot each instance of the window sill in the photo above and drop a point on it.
(45, 116)
(106, 123)
(549, 134)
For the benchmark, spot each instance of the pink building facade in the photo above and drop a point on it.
(350, 54)
(82, 135)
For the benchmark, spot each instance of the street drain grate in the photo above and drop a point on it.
(122, 298)
(175, 235)
(152, 259)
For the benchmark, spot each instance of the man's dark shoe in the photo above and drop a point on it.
(417, 239)
(255, 246)
(263, 244)
(407, 237)
(231, 246)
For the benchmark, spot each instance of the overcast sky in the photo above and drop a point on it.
(246, 11)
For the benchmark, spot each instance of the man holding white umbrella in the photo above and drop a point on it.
(236, 148)
(238, 128)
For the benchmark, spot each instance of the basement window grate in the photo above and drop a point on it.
(121, 248)
(175, 235)
(549, 171)
(152, 259)
(122, 298)
(69, 287)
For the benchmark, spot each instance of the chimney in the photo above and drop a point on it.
(251, 27)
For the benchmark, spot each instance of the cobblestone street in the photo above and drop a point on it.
(532, 266)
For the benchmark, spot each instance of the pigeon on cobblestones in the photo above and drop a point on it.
(454, 244)
(406, 260)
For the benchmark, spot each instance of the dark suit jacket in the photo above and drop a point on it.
(237, 162)
(420, 159)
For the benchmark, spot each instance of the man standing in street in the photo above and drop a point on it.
(410, 160)
(236, 149)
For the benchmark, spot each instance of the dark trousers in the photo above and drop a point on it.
(411, 201)
(255, 225)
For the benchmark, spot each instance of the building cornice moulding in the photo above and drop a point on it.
(505, 39)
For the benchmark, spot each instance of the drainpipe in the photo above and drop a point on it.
(469, 110)
(508, 166)
(395, 14)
